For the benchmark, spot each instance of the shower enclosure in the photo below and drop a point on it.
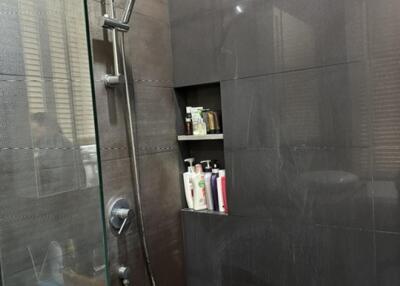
(51, 208)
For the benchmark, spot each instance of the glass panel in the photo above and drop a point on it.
(51, 226)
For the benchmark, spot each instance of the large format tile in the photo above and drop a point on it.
(387, 259)
(111, 109)
(383, 28)
(326, 107)
(155, 119)
(318, 33)
(149, 56)
(15, 113)
(252, 251)
(195, 61)
(251, 112)
(156, 9)
(180, 9)
(30, 234)
(308, 185)
(289, 35)
(247, 46)
(385, 188)
(11, 53)
(161, 203)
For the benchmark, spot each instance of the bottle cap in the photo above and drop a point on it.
(207, 168)
(190, 161)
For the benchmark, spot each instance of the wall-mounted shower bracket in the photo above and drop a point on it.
(112, 23)
(113, 80)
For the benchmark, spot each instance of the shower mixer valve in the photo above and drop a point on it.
(120, 215)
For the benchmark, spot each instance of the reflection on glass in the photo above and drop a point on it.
(60, 168)
(50, 221)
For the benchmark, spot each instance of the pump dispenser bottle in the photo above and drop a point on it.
(199, 189)
(207, 179)
(187, 181)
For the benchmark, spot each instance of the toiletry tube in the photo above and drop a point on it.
(221, 204)
(207, 178)
(211, 122)
(224, 196)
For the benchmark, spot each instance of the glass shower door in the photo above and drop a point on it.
(51, 217)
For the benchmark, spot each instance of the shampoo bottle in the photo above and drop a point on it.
(214, 187)
(199, 189)
(207, 179)
(187, 182)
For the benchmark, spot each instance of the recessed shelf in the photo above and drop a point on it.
(208, 212)
(200, 137)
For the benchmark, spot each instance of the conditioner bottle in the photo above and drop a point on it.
(187, 182)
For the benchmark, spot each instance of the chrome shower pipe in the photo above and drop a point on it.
(113, 24)
(111, 80)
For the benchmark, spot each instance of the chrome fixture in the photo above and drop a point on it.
(123, 274)
(111, 81)
(110, 22)
(120, 215)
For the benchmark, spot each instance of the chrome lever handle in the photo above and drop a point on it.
(122, 226)
(120, 215)
(124, 214)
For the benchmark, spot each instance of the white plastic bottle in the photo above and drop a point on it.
(221, 203)
(199, 189)
(207, 179)
(187, 182)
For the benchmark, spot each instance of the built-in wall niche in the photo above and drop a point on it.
(206, 147)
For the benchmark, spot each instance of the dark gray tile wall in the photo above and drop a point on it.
(232, 250)
(310, 102)
(149, 63)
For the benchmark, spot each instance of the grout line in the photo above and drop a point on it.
(316, 67)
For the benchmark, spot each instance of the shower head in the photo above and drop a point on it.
(120, 25)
